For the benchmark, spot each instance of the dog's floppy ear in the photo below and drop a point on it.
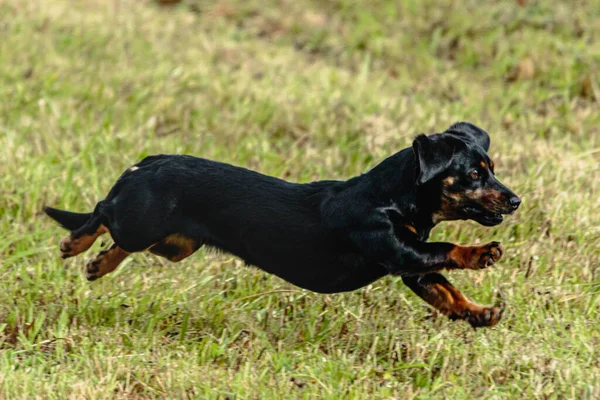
(470, 132)
(433, 155)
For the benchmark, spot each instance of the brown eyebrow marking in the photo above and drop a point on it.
(483, 164)
(448, 181)
(491, 165)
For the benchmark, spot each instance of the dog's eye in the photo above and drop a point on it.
(474, 174)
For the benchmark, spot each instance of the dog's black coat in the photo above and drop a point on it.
(326, 236)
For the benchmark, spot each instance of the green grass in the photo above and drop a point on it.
(303, 90)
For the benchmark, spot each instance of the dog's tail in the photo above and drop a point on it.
(67, 219)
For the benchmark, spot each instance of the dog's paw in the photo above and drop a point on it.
(95, 268)
(66, 248)
(486, 316)
(490, 254)
(475, 257)
(92, 270)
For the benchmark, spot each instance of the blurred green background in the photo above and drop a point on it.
(301, 90)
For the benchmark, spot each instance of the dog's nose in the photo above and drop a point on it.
(515, 202)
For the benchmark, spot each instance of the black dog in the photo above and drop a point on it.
(325, 236)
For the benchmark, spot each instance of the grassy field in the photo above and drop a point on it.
(300, 89)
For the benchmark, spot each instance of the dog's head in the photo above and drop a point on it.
(456, 175)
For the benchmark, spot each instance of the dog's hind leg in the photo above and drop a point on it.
(435, 289)
(106, 261)
(175, 247)
(83, 238)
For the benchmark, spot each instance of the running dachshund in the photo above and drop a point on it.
(325, 236)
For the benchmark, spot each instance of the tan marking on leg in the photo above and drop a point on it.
(175, 247)
(106, 261)
(451, 302)
(476, 257)
(71, 246)
(448, 300)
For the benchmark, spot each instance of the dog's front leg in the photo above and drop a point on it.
(436, 290)
(379, 244)
(435, 256)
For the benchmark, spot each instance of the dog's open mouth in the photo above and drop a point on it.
(490, 219)
(483, 217)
